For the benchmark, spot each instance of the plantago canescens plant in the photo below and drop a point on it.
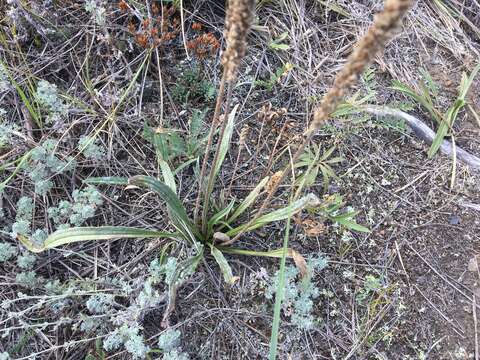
(211, 228)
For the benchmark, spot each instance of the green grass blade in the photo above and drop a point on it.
(453, 111)
(279, 295)
(161, 146)
(219, 216)
(467, 82)
(277, 215)
(224, 266)
(442, 131)
(438, 139)
(21, 162)
(35, 115)
(111, 117)
(397, 85)
(249, 200)
(78, 234)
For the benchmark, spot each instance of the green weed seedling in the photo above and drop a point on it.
(278, 43)
(319, 163)
(275, 77)
(192, 86)
(171, 144)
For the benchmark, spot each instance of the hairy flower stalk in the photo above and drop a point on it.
(380, 32)
(237, 26)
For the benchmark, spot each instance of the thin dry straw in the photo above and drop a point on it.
(380, 32)
(241, 144)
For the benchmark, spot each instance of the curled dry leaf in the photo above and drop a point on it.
(269, 115)
(300, 262)
(311, 227)
(221, 237)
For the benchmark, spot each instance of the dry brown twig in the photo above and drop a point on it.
(380, 32)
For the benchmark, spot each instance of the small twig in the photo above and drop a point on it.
(182, 21)
(475, 115)
(445, 317)
(160, 85)
(241, 145)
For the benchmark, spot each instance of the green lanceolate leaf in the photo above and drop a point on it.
(352, 225)
(275, 46)
(219, 216)
(176, 209)
(184, 165)
(249, 200)
(78, 234)
(167, 174)
(225, 141)
(186, 267)
(277, 215)
(443, 130)
(224, 266)
(196, 122)
(278, 253)
(467, 82)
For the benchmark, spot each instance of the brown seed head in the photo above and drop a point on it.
(237, 25)
(243, 135)
(380, 32)
(273, 182)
